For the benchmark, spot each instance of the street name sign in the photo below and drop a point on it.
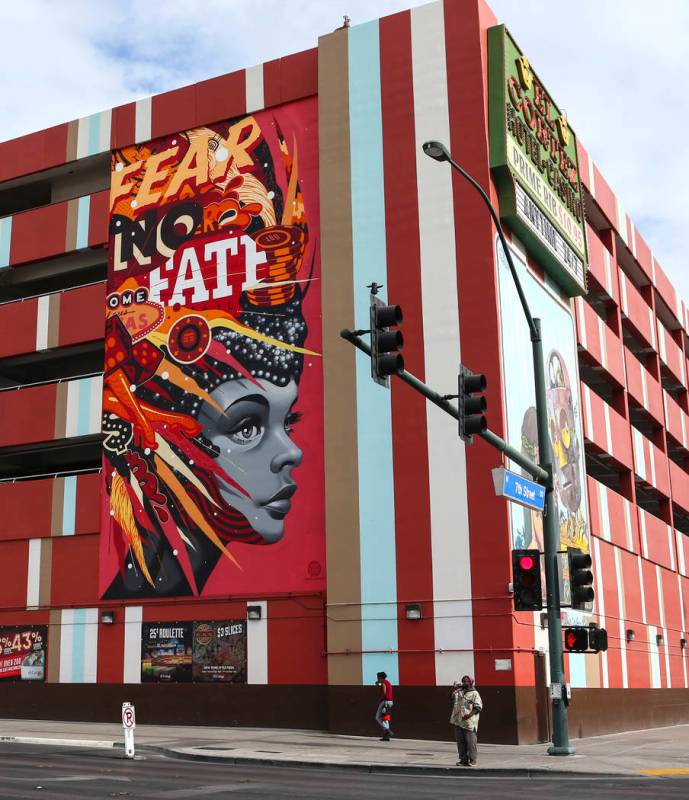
(518, 489)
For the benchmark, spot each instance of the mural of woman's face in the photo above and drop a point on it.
(256, 450)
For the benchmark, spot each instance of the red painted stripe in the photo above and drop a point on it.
(39, 233)
(612, 614)
(82, 315)
(27, 415)
(221, 98)
(123, 125)
(296, 641)
(465, 43)
(15, 499)
(110, 664)
(74, 555)
(87, 517)
(173, 111)
(14, 557)
(409, 433)
(290, 78)
(18, 328)
(99, 218)
(33, 152)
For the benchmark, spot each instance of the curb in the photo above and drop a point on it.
(487, 772)
(98, 743)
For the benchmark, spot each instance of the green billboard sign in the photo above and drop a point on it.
(533, 155)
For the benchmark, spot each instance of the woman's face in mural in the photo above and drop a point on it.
(256, 450)
(563, 435)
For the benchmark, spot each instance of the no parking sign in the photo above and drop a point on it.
(129, 724)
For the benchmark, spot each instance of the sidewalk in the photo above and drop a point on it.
(661, 751)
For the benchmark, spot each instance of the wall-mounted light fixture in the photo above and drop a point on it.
(659, 639)
(630, 635)
(413, 611)
(683, 644)
(254, 612)
(107, 617)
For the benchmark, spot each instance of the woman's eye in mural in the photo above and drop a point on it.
(291, 420)
(248, 431)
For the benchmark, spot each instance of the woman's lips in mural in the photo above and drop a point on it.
(279, 504)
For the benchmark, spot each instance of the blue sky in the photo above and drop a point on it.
(617, 67)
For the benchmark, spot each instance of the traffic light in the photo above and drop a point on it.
(472, 404)
(580, 578)
(577, 639)
(385, 344)
(526, 580)
(598, 639)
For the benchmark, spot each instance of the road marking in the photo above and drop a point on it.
(67, 778)
(198, 791)
(678, 771)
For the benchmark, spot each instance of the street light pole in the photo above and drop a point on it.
(551, 534)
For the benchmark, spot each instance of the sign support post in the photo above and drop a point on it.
(129, 726)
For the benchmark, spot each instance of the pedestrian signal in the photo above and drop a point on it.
(598, 639)
(526, 580)
(577, 639)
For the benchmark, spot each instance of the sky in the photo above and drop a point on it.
(616, 66)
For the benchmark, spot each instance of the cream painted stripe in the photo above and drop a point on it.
(254, 88)
(133, 617)
(33, 582)
(644, 537)
(621, 221)
(83, 131)
(105, 130)
(91, 646)
(589, 415)
(628, 521)
(66, 644)
(666, 652)
(96, 404)
(451, 558)
(600, 602)
(608, 269)
(602, 328)
(633, 229)
(622, 615)
(652, 324)
(662, 347)
(42, 319)
(653, 657)
(644, 387)
(642, 591)
(639, 456)
(661, 601)
(671, 548)
(608, 428)
(623, 289)
(72, 410)
(592, 178)
(652, 461)
(257, 645)
(142, 131)
(581, 319)
(604, 512)
(680, 556)
(683, 653)
(684, 429)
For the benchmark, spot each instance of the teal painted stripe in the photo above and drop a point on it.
(78, 644)
(374, 417)
(84, 407)
(94, 134)
(577, 670)
(5, 241)
(83, 214)
(69, 505)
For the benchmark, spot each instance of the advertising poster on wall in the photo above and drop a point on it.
(562, 395)
(212, 390)
(166, 652)
(219, 653)
(23, 652)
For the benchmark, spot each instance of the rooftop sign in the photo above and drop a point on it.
(533, 155)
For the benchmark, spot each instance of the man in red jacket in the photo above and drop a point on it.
(384, 705)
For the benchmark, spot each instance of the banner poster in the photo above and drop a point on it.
(212, 390)
(563, 404)
(23, 652)
(219, 651)
(166, 652)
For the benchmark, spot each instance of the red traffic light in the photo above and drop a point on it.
(526, 562)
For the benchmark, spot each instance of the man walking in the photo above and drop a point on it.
(466, 707)
(384, 705)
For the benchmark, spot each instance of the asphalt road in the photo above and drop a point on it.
(31, 771)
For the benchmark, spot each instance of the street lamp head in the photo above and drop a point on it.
(436, 150)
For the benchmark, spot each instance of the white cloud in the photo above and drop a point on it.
(616, 66)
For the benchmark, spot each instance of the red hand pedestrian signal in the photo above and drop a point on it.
(577, 639)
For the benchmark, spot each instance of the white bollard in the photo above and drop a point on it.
(129, 724)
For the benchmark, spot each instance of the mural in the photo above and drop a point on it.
(562, 396)
(212, 392)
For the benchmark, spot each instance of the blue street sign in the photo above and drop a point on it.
(518, 489)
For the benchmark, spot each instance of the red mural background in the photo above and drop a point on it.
(212, 397)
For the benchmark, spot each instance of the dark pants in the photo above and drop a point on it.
(466, 744)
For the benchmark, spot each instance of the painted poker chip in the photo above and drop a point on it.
(273, 237)
(189, 339)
